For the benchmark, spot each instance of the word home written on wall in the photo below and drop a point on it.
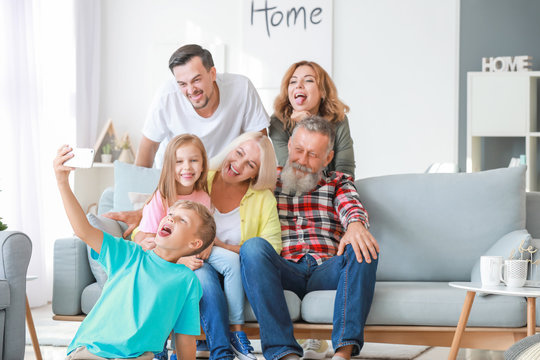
(277, 33)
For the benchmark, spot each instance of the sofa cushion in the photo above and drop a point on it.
(106, 201)
(90, 296)
(132, 178)
(423, 304)
(433, 227)
(293, 304)
(4, 294)
(505, 246)
(92, 293)
(109, 226)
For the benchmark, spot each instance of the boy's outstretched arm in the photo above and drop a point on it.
(82, 228)
(186, 347)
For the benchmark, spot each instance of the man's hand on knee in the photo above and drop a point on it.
(363, 243)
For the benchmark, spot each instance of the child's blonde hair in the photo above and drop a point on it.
(167, 185)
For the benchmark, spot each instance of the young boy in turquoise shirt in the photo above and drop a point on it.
(147, 294)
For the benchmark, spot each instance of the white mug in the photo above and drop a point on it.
(490, 270)
(514, 273)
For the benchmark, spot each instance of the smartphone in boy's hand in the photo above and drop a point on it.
(82, 158)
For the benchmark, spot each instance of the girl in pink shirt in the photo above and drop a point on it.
(183, 177)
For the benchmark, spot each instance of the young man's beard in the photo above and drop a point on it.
(298, 182)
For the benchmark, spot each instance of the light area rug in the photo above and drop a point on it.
(60, 333)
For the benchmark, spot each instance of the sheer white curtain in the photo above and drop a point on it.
(38, 106)
(88, 45)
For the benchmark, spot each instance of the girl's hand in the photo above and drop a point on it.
(148, 243)
(60, 171)
(205, 254)
(192, 262)
(297, 116)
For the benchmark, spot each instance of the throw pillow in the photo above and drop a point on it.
(509, 248)
(138, 200)
(130, 178)
(109, 226)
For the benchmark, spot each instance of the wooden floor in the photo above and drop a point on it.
(436, 353)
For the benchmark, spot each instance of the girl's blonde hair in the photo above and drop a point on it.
(267, 177)
(167, 184)
(330, 108)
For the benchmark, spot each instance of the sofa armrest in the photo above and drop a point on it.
(533, 214)
(70, 276)
(15, 252)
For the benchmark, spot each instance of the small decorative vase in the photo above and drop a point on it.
(106, 158)
(125, 156)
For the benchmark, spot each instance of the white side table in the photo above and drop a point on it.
(472, 288)
(30, 324)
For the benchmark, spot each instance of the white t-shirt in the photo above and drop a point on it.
(228, 227)
(240, 110)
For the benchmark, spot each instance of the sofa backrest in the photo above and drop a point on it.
(433, 227)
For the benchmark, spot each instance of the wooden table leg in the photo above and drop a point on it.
(32, 331)
(531, 316)
(462, 323)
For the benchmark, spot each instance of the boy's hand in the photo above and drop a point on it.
(192, 262)
(148, 243)
(60, 171)
(77, 218)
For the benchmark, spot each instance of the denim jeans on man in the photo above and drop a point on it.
(214, 313)
(265, 275)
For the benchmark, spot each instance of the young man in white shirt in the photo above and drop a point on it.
(215, 107)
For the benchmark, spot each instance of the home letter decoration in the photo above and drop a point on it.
(507, 63)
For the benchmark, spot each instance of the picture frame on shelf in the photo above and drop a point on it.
(109, 147)
(105, 144)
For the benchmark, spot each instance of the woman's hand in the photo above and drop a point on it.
(192, 262)
(297, 116)
(234, 248)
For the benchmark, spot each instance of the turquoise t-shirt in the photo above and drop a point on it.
(144, 298)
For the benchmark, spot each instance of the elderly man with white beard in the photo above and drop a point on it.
(326, 246)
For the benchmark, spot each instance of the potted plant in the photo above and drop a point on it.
(126, 155)
(3, 226)
(106, 155)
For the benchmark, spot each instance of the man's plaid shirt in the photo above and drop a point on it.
(315, 222)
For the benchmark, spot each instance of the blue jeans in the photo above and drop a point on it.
(214, 313)
(265, 275)
(227, 263)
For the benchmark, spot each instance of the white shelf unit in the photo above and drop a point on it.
(88, 184)
(502, 121)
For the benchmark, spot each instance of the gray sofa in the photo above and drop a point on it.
(432, 229)
(15, 252)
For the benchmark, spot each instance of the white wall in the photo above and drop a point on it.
(395, 65)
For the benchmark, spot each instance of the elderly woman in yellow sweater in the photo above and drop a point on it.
(240, 183)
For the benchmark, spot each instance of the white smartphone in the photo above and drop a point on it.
(82, 158)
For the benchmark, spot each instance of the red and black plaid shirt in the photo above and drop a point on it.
(313, 223)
